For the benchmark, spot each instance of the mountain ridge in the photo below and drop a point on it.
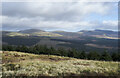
(28, 31)
(37, 32)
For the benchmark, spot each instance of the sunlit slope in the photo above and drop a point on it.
(34, 34)
(17, 34)
(49, 34)
(25, 64)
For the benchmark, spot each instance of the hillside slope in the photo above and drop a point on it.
(30, 32)
(25, 64)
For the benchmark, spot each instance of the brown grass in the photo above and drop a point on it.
(11, 57)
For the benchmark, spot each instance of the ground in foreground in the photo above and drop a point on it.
(26, 64)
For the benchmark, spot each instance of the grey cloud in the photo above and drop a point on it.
(52, 16)
(23, 23)
(54, 11)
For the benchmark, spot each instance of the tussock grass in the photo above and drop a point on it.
(25, 64)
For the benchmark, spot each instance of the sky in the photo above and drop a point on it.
(62, 16)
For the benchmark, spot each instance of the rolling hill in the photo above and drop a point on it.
(101, 33)
(36, 32)
(30, 32)
(97, 40)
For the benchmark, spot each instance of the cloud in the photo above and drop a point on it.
(55, 11)
(26, 23)
(60, 0)
(110, 24)
(68, 16)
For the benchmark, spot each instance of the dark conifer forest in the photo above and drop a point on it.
(43, 49)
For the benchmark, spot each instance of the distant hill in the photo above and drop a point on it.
(37, 32)
(29, 31)
(101, 33)
(94, 33)
(64, 33)
(5, 32)
(97, 40)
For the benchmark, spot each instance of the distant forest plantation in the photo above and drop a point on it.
(43, 49)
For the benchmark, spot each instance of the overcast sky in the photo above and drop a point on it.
(65, 16)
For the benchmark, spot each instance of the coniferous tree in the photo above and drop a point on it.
(106, 56)
(93, 56)
(118, 56)
(70, 53)
(52, 51)
(115, 56)
(10, 48)
(23, 48)
(62, 51)
(39, 49)
(74, 52)
(45, 49)
(4, 48)
(83, 55)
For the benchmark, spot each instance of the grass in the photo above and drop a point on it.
(46, 34)
(0, 64)
(34, 34)
(17, 34)
(25, 64)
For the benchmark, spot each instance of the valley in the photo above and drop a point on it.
(84, 40)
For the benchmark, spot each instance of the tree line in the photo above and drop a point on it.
(43, 49)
